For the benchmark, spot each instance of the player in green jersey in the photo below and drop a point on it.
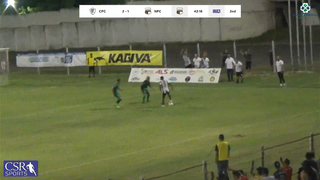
(144, 89)
(116, 94)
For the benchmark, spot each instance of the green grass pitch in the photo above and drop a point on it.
(69, 124)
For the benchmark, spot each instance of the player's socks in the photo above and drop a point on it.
(143, 99)
(148, 97)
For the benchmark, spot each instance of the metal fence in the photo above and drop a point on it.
(291, 150)
(173, 59)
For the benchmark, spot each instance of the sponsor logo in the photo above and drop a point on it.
(38, 59)
(146, 71)
(188, 78)
(92, 10)
(67, 59)
(20, 168)
(100, 58)
(135, 79)
(147, 11)
(135, 72)
(129, 58)
(165, 71)
(193, 72)
(214, 71)
(179, 72)
(305, 8)
(173, 79)
(200, 79)
(216, 10)
(179, 10)
(212, 79)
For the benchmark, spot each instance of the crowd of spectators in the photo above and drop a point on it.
(309, 170)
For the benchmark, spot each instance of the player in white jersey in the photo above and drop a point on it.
(280, 69)
(164, 88)
(239, 71)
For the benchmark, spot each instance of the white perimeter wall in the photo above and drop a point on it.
(55, 30)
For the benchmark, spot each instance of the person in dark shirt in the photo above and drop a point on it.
(271, 57)
(247, 56)
(224, 57)
(279, 174)
(144, 89)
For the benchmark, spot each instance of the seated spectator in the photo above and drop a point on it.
(286, 168)
(310, 157)
(265, 174)
(308, 172)
(279, 174)
(259, 175)
(239, 175)
(315, 160)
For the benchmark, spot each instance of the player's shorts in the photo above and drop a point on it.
(239, 74)
(117, 95)
(165, 93)
(145, 91)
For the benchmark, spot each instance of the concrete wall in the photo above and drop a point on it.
(55, 30)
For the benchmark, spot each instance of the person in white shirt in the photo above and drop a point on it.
(196, 61)
(205, 60)
(230, 63)
(280, 69)
(164, 88)
(186, 59)
(239, 71)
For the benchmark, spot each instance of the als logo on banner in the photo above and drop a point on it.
(20, 168)
(214, 71)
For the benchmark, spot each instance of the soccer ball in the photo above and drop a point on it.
(170, 104)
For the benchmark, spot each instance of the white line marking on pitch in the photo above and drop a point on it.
(153, 148)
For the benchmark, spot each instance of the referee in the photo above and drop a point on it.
(280, 69)
(91, 65)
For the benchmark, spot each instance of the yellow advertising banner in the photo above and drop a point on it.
(126, 58)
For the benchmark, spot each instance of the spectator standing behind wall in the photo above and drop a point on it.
(247, 56)
(186, 59)
(196, 61)
(205, 60)
(224, 57)
(222, 156)
(271, 58)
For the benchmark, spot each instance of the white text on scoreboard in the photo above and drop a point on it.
(160, 11)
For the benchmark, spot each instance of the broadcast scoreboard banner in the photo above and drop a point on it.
(177, 75)
(126, 58)
(160, 11)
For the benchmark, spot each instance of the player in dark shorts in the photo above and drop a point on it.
(116, 94)
(144, 89)
(239, 71)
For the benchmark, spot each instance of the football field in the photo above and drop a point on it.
(69, 124)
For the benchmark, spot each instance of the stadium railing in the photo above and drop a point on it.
(294, 151)
(173, 59)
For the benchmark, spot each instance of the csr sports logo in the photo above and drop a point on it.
(20, 168)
